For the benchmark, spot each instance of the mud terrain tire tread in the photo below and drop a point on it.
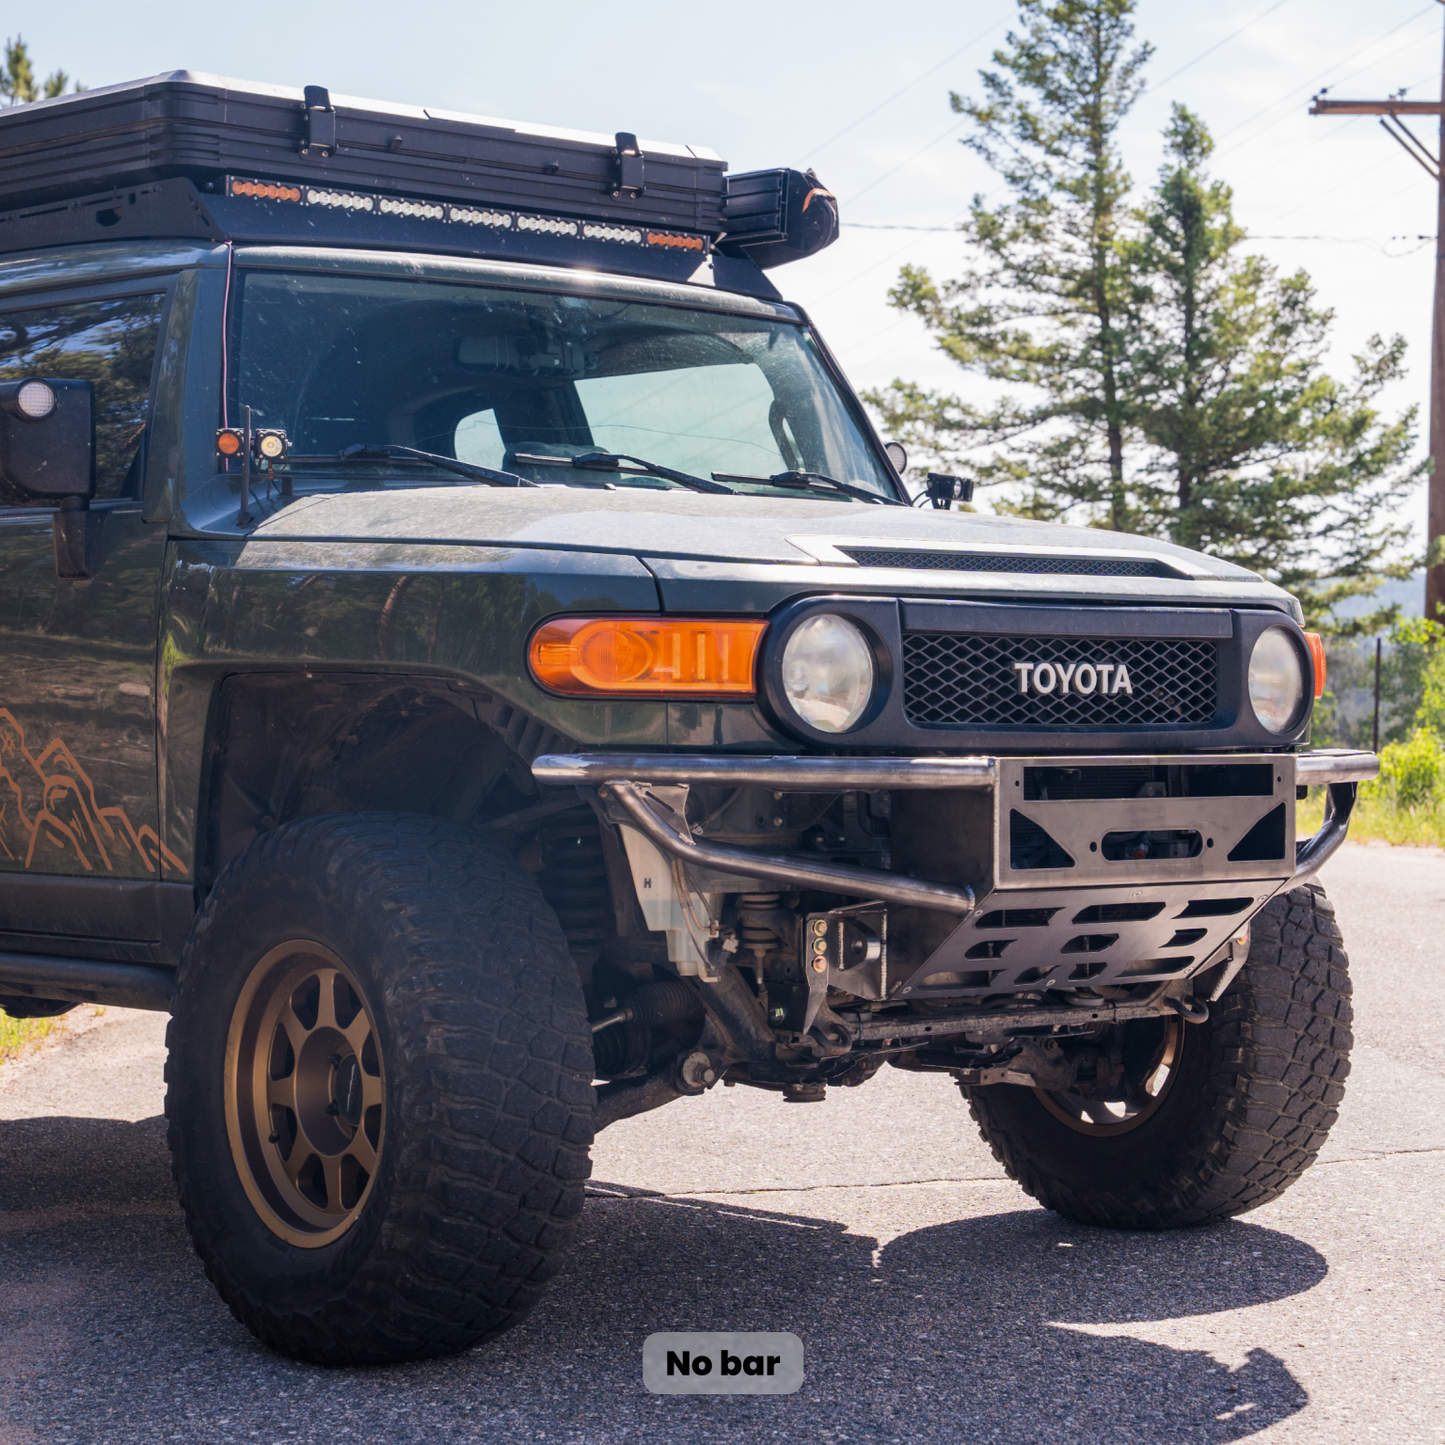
(489, 1093)
(1265, 1090)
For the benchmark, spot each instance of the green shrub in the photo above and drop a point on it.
(16, 1033)
(1411, 679)
(1412, 773)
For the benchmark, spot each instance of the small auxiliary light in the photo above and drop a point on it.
(944, 490)
(271, 446)
(35, 399)
(267, 446)
(30, 400)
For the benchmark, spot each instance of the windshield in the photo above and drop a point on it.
(523, 380)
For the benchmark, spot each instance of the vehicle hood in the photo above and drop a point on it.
(687, 535)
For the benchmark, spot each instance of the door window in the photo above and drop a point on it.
(108, 341)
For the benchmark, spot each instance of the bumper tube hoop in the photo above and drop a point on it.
(800, 774)
(1311, 854)
(782, 867)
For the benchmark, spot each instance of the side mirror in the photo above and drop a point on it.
(47, 442)
(47, 458)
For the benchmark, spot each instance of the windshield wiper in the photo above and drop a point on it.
(814, 481)
(367, 451)
(611, 462)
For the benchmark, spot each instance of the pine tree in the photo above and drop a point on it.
(1045, 304)
(1155, 379)
(17, 81)
(1248, 449)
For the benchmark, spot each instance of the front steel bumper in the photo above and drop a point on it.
(1340, 769)
(1097, 921)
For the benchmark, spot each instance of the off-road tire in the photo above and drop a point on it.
(487, 1088)
(1258, 1090)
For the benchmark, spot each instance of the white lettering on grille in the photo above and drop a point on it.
(1083, 679)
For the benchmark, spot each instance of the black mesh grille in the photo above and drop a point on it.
(968, 680)
(1005, 562)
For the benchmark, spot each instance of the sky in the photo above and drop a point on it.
(860, 92)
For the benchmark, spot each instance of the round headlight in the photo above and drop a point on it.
(1276, 679)
(828, 673)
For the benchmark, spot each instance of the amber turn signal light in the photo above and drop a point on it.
(646, 656)
(1317, 655)
(230, 442)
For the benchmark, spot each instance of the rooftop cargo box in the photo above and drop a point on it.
(194, 156)
(203, 128)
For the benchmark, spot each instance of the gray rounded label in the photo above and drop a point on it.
(715, 1362)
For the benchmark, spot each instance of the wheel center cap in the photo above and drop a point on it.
(346, 1089)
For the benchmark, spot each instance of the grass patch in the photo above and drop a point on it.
(1380, 819)
(16, 1033)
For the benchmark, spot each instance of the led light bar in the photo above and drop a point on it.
(488, 217)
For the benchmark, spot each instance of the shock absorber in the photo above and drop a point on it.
(756, 936)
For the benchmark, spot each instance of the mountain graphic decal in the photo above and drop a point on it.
(50, 818)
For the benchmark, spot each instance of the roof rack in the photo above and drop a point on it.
(193, 155)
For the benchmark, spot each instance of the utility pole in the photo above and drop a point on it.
(1391, 113)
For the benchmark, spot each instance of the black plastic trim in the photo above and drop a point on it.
(1006, 617)
(111, 912)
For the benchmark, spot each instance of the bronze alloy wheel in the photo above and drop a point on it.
(1119, 1116)
(305, 1094)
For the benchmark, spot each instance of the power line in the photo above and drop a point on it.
(1249, 121)
(902, 164)
(882, 226)
(933, 69)
(1353, 241)
(1250, 236)
(1294, 94)
(1276, 164)
(1370, 169)
(868, 270)
(1203, 53)
(1291, 94)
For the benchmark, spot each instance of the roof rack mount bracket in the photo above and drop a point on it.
(320, 123)
(630, 167)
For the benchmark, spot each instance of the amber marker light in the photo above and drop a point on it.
(229, 442)
(1317, 655)
(646, 656)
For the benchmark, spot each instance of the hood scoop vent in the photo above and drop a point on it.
(1095, 565)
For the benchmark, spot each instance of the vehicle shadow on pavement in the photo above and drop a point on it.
(83, 1163)
(1011, 1324)
(990, 1323)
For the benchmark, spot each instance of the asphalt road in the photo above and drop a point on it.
(936, 1301)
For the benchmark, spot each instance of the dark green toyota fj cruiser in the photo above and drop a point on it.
(469, 658)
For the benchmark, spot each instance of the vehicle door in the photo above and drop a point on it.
(79, 846)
